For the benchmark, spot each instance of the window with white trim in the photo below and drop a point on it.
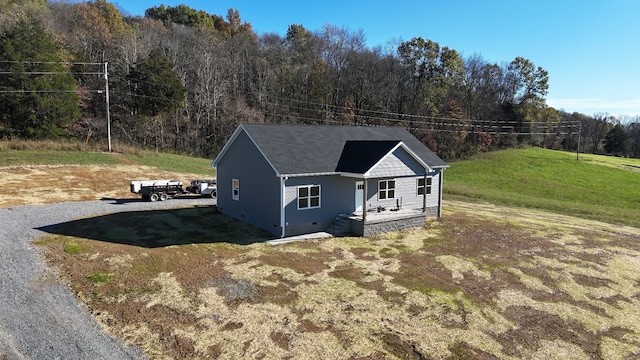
(386, 189)
(422, 187)
(308, 197)
(235, 194)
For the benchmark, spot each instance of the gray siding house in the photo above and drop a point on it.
(298, 179)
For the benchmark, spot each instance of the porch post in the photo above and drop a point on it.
(441, 174)
(283, 206)
(424, 194)
(364, 200)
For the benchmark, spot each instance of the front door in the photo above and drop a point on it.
(359, 194)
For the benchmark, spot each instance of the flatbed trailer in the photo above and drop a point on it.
(154, 190)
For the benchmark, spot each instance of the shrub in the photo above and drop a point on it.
(99, 277)
(72, 248)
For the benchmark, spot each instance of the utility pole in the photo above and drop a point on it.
(578, 148)
(106, 89)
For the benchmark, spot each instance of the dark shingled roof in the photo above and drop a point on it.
(359, 156)
(313, 149)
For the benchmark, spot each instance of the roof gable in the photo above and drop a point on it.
(398, 162)
(294, 150)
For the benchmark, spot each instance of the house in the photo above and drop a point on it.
(299, 179)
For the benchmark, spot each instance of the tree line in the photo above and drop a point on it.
(181, 79)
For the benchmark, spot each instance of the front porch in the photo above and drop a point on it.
(377, 222)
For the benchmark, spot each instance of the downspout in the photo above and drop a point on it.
(282, 206)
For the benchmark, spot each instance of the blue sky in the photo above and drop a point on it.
(591, 48)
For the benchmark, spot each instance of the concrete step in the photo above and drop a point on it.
(341, 226)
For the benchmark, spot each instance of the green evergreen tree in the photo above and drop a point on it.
(615, 142)
(37, 93)
(156, 86)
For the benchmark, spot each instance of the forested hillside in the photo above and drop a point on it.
(181, 79)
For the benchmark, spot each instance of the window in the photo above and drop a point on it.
(422, 187)
(236, 189)
(386, 189)
(308, 197)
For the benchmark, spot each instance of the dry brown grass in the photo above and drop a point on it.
(64, 145)
(44, 145)
(483, 282)
(45, 184)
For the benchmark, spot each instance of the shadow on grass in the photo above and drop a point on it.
(124, 201)
(160, 228)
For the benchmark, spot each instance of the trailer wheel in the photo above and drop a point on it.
(163, 196)
(153, 197)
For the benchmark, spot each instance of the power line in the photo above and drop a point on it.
(48, 73)
(458, 123)
(323, 107)
(465, 131)
(104, 73)
(48, 62)
(331, 112)
(48, 91)
(328, 109)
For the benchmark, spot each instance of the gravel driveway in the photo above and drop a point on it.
(39, 316)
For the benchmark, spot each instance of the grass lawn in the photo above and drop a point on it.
(55, 157)
(596, 187)
(172, 162)
(169, 162)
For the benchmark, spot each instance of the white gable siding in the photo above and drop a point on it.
(406, 193)
(398, 163)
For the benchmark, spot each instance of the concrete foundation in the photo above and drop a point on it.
(373, 228)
